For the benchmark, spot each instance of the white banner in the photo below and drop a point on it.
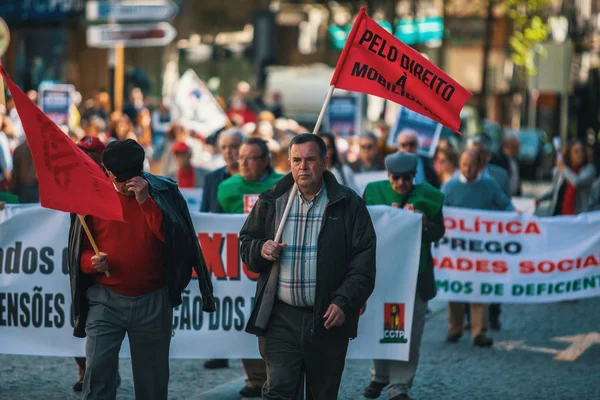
(195, 106)
(35, 290)
(499, 257)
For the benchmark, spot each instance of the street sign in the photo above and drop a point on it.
(55, 100)
(138, 35)
(4, 37)
(148, 10)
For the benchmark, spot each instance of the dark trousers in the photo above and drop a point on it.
(147, 321)
(291, 352)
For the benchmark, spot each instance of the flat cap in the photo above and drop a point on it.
(125, 159)
(401, 162)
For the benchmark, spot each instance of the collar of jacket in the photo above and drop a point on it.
(335, 191)
(157, 182)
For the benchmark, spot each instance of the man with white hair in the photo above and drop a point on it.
(408, 141)
(482, 145)
(229, 143)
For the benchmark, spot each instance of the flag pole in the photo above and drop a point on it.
(288, 206)
(92, 241)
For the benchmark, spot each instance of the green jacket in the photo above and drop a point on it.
(237, 195)
(429, 201)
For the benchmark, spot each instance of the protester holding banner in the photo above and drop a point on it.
(149, 258)
(313, 284)
(408, 140)
(238, 194)
(471, 189)
(572, 182)
(482, 144)
(342, 172)
(399, 191)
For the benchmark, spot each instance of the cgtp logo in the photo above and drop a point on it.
(393, 323)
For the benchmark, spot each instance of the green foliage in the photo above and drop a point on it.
(529, 31)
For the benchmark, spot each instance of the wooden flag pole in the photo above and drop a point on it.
(92, 241)
(288, 206)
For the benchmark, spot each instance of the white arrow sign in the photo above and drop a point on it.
(149, 10)
(144, 35)
(579, 344)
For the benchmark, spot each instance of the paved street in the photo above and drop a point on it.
(521, 365)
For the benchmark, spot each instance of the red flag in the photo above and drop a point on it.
(375, 62)
(69, 180)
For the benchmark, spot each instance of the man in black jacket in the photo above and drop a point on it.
(149, 259)
(230, 142)
(313, 284)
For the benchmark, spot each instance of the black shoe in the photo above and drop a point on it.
(402, 396)
(78, 387)
(483, 341)
(453, 337)
(374, 389)
(251, 391)
(216, 363)
(495, 325)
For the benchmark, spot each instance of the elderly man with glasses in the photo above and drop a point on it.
(400, 191)
(408, 141)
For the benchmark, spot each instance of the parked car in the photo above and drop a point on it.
(536, 154)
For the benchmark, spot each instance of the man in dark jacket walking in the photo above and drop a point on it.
(149, 260)
(313, 284)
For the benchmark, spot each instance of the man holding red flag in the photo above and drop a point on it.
(143, 225)
(150, 258)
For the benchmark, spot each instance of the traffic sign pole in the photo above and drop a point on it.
(119, 77)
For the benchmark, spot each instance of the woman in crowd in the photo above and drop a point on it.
(342, 172)
(445, 163)
(572, 182)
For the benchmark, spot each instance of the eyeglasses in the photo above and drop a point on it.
(404, 177)
(408, 144)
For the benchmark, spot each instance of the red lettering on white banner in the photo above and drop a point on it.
(249, 201)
